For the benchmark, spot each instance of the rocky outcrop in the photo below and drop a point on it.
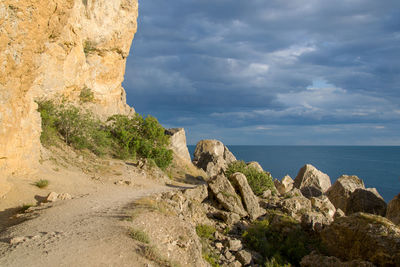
(339, 193)
(363, 236)
(393, 210)
(296, 206)
(311, 181)
(226, 195)
(178, 143)
(212, 156)
(58, 49)
(366, 200)
(285, 185)
(250, 201)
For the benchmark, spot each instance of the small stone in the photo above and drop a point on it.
(228, 255)
(64, 196)
(51, 197)
(235, 264)
(235, 245)
(219, 245)
(244, 257)
(17, 240)
(267, 193)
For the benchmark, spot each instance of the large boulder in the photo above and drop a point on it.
(339, 193)
(212, 156)
(393, 210)
(250, 201)
(311, 181)
(285, 185)
(366, 200)
(363, 236)
(226, 195)
(323, 205)
(178, 142)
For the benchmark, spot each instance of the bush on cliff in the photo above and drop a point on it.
(122, 136)
(258, 181)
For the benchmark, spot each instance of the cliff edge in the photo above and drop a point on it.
(58, 49)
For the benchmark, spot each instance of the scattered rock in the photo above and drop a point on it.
(296, 206)
(323, 205)
(315, 220)
(226, 195)
(219, 245)
(244, 257)
(235, 264)
(178, 142)
(17, 240)
(315, 259)
(267, 193)
(235, 244)
(51, 197)
(366, 200)
(339, 193)
(199, 193)
(212, 156)
(285, 185)
(64, 196)
(363, 236)
(250, 201)
(311, 181)
(393, 210)
(255, 165)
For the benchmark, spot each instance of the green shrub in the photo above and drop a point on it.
(89, 47)
(122, 136)
(143, 137)
(42, 183)
(280, 243)
(205, 231)
(258, 181)
(139, 236)
(86, 95)
(212, 259)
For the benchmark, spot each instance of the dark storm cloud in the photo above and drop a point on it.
(268, 66)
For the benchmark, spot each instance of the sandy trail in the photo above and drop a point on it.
(90, 230)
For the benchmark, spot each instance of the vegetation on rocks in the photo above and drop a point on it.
(42, 183)
(121, 136)
(139, 235)
(280, 240)
(258, 181)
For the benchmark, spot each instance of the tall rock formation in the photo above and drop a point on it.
(57, 49)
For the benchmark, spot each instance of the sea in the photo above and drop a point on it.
(377, 166)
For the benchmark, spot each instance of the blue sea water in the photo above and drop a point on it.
(378, 166)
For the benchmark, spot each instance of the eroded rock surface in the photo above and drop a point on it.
(339, 193)
(311, 181)
(393, 210)
(58, 48)
(285, 185)
(178, 142)
(363, 236)
(366, 200)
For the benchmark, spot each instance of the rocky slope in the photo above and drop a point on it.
(58, 49)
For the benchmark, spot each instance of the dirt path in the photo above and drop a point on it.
(90, 230)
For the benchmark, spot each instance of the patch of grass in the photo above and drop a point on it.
(89, 47)
(151, 205)
(212, 259)
(205, 231)
(258, 181)
(151, 253)
(139, 235)
(86, 95)
(42, 183)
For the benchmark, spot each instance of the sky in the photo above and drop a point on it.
(256, 72)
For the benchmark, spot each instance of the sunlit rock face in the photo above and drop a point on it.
(56, 49)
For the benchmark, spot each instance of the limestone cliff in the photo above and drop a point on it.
(57, 48)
